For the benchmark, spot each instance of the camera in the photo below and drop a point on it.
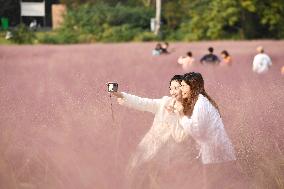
(112, 86)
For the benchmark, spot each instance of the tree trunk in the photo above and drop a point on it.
(158, 16)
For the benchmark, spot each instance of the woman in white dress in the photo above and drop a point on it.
(165, 145)
(200, 118)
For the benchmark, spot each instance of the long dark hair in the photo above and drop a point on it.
(178, 78)
(196, 83)
(225, 53)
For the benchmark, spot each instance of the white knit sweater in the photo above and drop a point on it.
(206, 127)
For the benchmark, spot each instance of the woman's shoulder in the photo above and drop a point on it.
(201, 98)
(204, 104)
(202, 101)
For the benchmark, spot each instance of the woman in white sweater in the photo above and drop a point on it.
(200, 118)
(164, 145)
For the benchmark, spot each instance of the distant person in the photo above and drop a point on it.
(33, 25)
(210, 58)
(282, 70)
(261, 61)
(186, 61)
(157, 50)
(226, 58)
(165, 47)
(8, 35)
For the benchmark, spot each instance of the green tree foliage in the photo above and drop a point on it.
(125, 20)
(77, 3)
(102, 22)
(218, 19)
(174, 12)
(6, 6)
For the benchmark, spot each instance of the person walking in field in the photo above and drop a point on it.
(261, 62)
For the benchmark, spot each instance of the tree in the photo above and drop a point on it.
(6, 6)
(219, 19)
(158, 16)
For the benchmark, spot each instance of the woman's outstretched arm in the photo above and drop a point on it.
(139, 103)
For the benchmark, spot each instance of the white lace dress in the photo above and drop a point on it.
(166, 143)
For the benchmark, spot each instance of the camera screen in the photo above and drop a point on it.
(112, 87)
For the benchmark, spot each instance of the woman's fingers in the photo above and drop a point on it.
(170, 109)
(117, 94)
(178, 108)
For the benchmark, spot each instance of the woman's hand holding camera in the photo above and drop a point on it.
(112, 88)
(117, 94)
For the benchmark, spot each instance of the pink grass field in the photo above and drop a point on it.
(56, 128)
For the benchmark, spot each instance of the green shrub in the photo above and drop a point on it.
(22, 35)
(59, 38)
(146, 36)
(101, 22)
(134, 16)
(119, 33)
(49, 39)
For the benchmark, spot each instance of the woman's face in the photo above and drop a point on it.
(175, 90)
(185, 90)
